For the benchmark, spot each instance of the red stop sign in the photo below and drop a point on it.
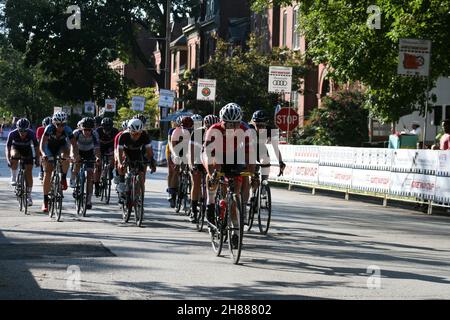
(287, 119)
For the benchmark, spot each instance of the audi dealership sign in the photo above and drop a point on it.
(280, 79)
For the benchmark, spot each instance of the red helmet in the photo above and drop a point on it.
(187, 122)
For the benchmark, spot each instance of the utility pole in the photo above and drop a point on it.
(164, 126)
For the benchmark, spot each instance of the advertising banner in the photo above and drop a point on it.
(371, 180)
(335, 176)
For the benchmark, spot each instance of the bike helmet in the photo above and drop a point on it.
(187, 122)
(197, 118)
(259, 116)
(125, 125)
(178, 120)
(46, 121)
(87, 123)
(59, 117)
(135, 125)
(23, 124)
(98, 121)
(210, 120)
(141, 117)
(231, 113)
(107, 123)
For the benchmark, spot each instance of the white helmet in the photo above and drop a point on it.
(231, 113)
(197, 118)
(60, 117)
(178, 120)
(135, 125)
(125, 125)
(210, 120)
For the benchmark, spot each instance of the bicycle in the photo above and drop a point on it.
(80, 192)
(225, 206)
(184, 190)
(133, 197)
(21, 190)
(202, 204)
(55, 196)
(106, 179)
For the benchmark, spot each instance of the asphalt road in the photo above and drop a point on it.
(318, 247)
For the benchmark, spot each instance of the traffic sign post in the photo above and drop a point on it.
(206, 91)
(287, 120)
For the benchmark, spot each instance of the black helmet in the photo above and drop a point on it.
(259, 116)
(98, 120)
(23, 124)
(47, 121)
(107, 123)
(87, 123)
(141, 117)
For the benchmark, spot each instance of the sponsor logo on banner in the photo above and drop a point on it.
(371, 180)
(89, 107)
(335, 176)
(443, 164)
(414, 57)
(306, 173)
(280, 79)
(442, 192)
(404, 160)
(206, 89)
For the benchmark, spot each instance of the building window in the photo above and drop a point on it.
(174, 62)
(295, 34)
(283, 41)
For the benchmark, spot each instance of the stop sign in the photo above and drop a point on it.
(287, 119)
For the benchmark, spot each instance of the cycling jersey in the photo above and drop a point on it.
(15, 141)
(40, 132)
(55, 143)
(133, 148)
(86, 143)
(107, 139)
(239, 148)
(180, 136)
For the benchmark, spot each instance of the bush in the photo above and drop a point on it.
(340, 121)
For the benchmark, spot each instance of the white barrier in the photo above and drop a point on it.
(418, 174)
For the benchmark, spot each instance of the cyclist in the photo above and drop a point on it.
(39, 133)
(215, 157)
(172, 178)
(89, 150)
(124, 127)
(19, 145)
(196, 165)
(106, 134)
(130, 146)
(54, 142)
(98, 121)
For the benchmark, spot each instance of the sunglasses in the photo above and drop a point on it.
(22, 130)
(60, 125)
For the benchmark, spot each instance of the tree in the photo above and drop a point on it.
(22, 89)
(338, 35)
(341, 121)
(242, 77)
(78, 59)
(151, 109)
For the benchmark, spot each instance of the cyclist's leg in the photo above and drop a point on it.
(196, 178)
(65, 153)
(89, 156)
(48, 169)
(14, 154)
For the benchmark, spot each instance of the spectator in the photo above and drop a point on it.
(445, 139)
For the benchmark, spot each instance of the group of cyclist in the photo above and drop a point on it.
(193, 142)
(93, 139)
(206, 157)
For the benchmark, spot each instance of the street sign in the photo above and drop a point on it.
(280, 79)
(89, 107)
(414, 58)
(206, 90)
(287, 119)
(138, 103)
(78, 110)
(110, 105)
(67, 110)
(166, 98)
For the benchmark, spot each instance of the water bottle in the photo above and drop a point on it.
(223, 208)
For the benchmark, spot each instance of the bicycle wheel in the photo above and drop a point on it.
(138, 192)
(202, 207)
(126, 204)
(187, 196)
(235, 229)
(180, 197)
(83, 193)
(24, 197)
(252, 209)
(107, 187)
(19, 190)
(217, 233)
(58, 198)
(52, 195)
(264, 208)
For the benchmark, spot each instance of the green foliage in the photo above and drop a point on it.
(22, 88)
(242, 77)
(151, 110)
(341, 121)
(338, 35)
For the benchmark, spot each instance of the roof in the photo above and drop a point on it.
(181, 41)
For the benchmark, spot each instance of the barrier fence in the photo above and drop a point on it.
(419, 175)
